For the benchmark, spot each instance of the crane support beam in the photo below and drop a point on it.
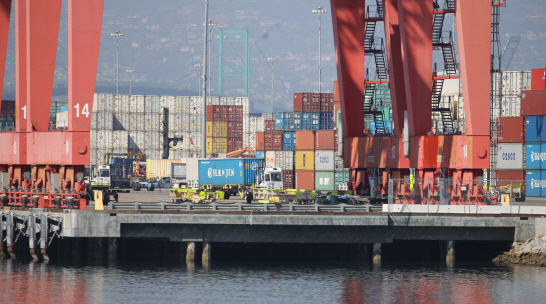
(394, 59)
(5, 11)
(415, 18)
(348, 21)
(21, 100)
(473, 20)
(84, 27)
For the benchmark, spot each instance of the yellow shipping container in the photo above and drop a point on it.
(219, 129)
(219, 145)
(209, 129)
(305, 160)
(209, 145)
(158, 168)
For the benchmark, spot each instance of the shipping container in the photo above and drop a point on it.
(324, 160)
(305, 140)
(122, 121)
(260, 140)
(533, 102)
(137, 104)
(136, 141)
(152, 153)
(336, 91)
(213, 100)
(284, 160)
(209, 129)
(120, 140)
(219, 145)
(270, 159)
(534, 183)
(153, 141)
(324, 181)
(103, 103)
(269, 125)
(337, 107)
(104, 139)
(307, 102)
(221, 172)
(288, 179)
(289, 141)
(219, 129)
(234, 144)
(305, 180)
(260, 154)
(196, 122)
(152, 104)
(505, 177)
(196, 105)
(137, 122)
(326, 121)
(213, 113)
(310, 121)
(102, 121)
(510, 156)
(533, 129)
(273, 141)
(534, 157)
(510, 129)
(209, 145)
(183, 103)
(324, 140)
(158, 168)
(513, 82)
(338, 162)
(341, 179)
(326, 102)
(305, 160)
(538, 77)
(249, 140)
(235, 113)
(152, 121)
(235, 129)
(511, 106)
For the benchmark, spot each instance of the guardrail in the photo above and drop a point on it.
(163, 206)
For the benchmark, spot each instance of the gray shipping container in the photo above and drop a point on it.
(510, 156)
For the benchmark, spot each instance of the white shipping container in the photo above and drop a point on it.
(192, 169)
(102, 121)
(137, 104)
(122, 104)
(183, 104)
(104, 139)
(228, 101)
(245, 102)
(213, 101)
(324, 160)
(158, 168)
(510, 156)
(511, 106)
(284, 160)
(196, 105)
(120, 151)
(137, 122)
(195, 141)
(122, 121)
(136, 140)
(185, 123)
(151, 122)
(196, 123)
(246, 124)
(153, 154)
(62, 120)
(270, 159)
(103, 102)
(93, 160)
(260, 124)
(152, 104)
(152, 140)
(249, 140)
(513, 82)
(120, 140)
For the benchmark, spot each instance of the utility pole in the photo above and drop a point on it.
(204, 124)
(131, 73)
(211, 24)
(199, 65)
(320, 11)
(272, 59)
(117, 34)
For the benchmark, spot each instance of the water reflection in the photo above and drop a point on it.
(256, 282)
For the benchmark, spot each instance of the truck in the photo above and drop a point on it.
(107, 178)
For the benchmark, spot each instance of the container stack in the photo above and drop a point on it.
(102, 127)
(510, 163)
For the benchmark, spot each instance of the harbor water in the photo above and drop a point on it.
(270, 282)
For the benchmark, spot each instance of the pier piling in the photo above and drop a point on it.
(377, 253)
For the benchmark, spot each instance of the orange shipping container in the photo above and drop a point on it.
(305, 180)
(324, 140)
(305, 160)
(305, 140)
(260, 141)
(336, 91)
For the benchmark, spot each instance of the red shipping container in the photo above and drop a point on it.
(235, 129)
(533, 103)
(336, 92)
(336, 106)
(326, 100)
(306, 102)
(223, 113)
(305, 180)
(510, 129)
(234, 144)
(260, 141)
(235, 113)
(210, 113)
(305, 140)
(504, 177)
(273, 141)
(324, 140)
(288, 179)
(269, 125)
(538, 79)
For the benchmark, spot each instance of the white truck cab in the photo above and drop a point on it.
(103, 178)
(272, 179)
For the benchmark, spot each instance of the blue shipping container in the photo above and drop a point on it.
(326, 121)
(220, 172)
(533, 129)
(310, 121)
(296, 120)
(533, 183)
(533, 157)
(279, 121)
(289, 141)
(260, 154)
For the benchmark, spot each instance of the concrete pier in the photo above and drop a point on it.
(206, 252)
(190, 252)
(450, 252)
(377, 253)
(112, 249)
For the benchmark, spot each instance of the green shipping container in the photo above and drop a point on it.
(341, 178)
(324, 181)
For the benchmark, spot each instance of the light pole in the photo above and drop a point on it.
(320, 11)
(117, 34)
(204, 124)
(272, 59)
(199, 65)
(131, 73)
(211, 24)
